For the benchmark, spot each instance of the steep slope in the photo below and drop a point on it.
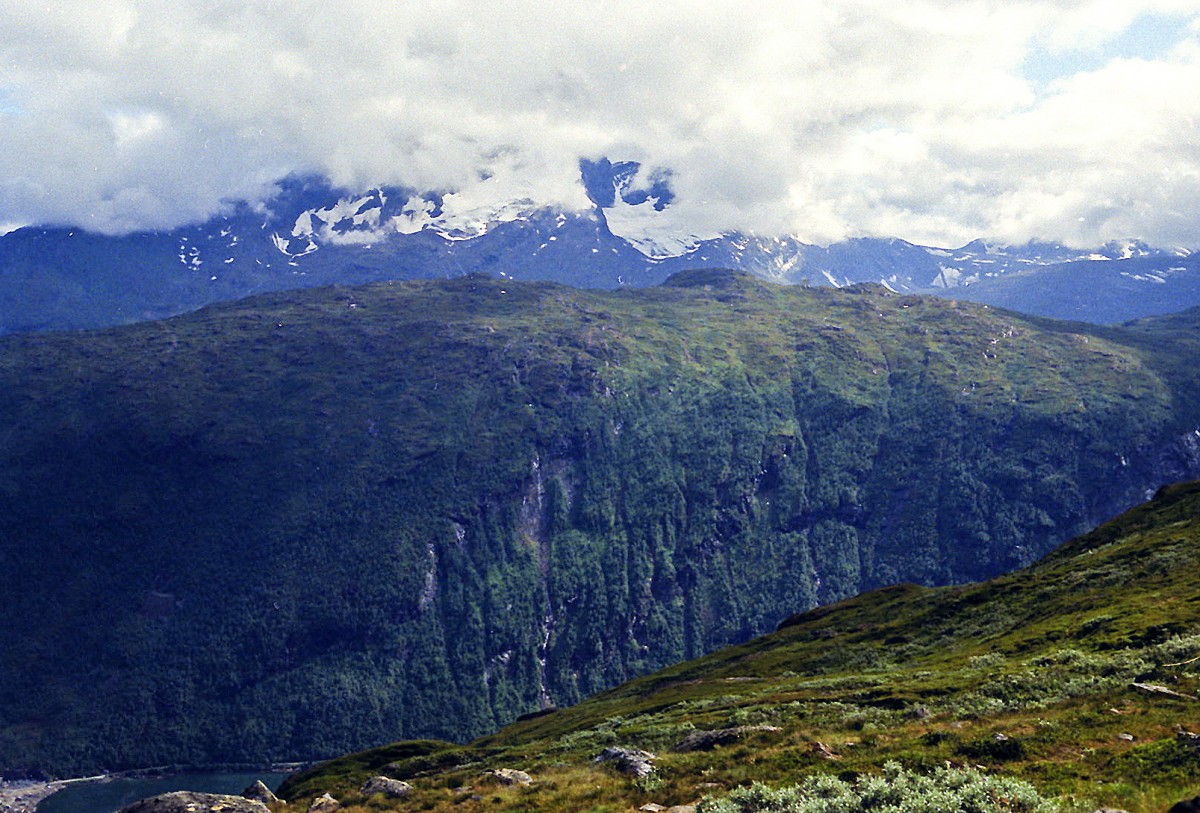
(1076, 674)
(308, 522)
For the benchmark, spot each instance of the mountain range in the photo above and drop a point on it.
(311, 521)
(311, 234)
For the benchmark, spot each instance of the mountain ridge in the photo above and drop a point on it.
(244, 534)
(314, 234)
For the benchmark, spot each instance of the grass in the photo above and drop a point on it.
(1039, 691)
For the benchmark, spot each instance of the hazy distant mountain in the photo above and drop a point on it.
(311, 234)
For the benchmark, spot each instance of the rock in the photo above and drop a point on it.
(183, 801)
(391, 788)
(681, 809)
(511, 776)
(324, 804)
(629, 760)
(260, 793)
(1188, 739)
(824, 751)
(651, 807)
(917, 712)
(1186, 806)
(1151, 688)
(1126, 737)
(707, 740)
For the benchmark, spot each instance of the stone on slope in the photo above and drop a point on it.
(184, 801)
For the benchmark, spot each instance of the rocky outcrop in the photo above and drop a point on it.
(324, 804)
(628, 760)
(510, 776)
(259, 792)
(183, 801)
(391, 788)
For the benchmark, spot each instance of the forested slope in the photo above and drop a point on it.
(1078, 675)
(309, 522)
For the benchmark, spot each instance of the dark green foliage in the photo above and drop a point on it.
(299, 525)
(1019, 677)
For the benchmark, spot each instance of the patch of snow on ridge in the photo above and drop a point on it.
(462, 219)
(652, 232)
(416, 215)
(948, 277)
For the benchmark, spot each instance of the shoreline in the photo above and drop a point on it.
(23, 796)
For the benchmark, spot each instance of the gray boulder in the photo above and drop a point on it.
(391, 788)
(259, 792)
(184, 801)
(324, 804)
(511, 776)
(628, 760)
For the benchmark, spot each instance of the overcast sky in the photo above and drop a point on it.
(937, 122)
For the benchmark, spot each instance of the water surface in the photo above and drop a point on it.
(111, 795)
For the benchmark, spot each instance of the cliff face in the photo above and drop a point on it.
(305, 523)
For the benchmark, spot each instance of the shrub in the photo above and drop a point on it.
(946, 790)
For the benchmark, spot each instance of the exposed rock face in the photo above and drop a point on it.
(391, 788)
(629, 760)
(323, 804)
(511, 776)
(183, 801)
(260, 793)
(707, 740)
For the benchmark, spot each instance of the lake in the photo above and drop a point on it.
(105, 797)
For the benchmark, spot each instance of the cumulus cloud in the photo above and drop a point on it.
(822, 119)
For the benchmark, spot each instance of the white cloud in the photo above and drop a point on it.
(825, 119)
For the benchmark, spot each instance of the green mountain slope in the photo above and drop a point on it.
(1076, 674)
(310, 522)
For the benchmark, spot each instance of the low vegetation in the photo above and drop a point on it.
(1070, 685)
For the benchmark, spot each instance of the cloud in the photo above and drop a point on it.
(822, 119)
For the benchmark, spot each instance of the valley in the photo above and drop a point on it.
(1078, 675)
(308, 522)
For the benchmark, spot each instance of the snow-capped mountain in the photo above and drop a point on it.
(313, 234)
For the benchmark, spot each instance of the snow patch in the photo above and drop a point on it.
(417, 214)
(948, 277)
(650, 232)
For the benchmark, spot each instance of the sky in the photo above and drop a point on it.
(937, 122)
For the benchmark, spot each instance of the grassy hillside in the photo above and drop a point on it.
(1029, 675)
(306, 523)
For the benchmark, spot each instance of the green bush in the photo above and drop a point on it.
(946, 790)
